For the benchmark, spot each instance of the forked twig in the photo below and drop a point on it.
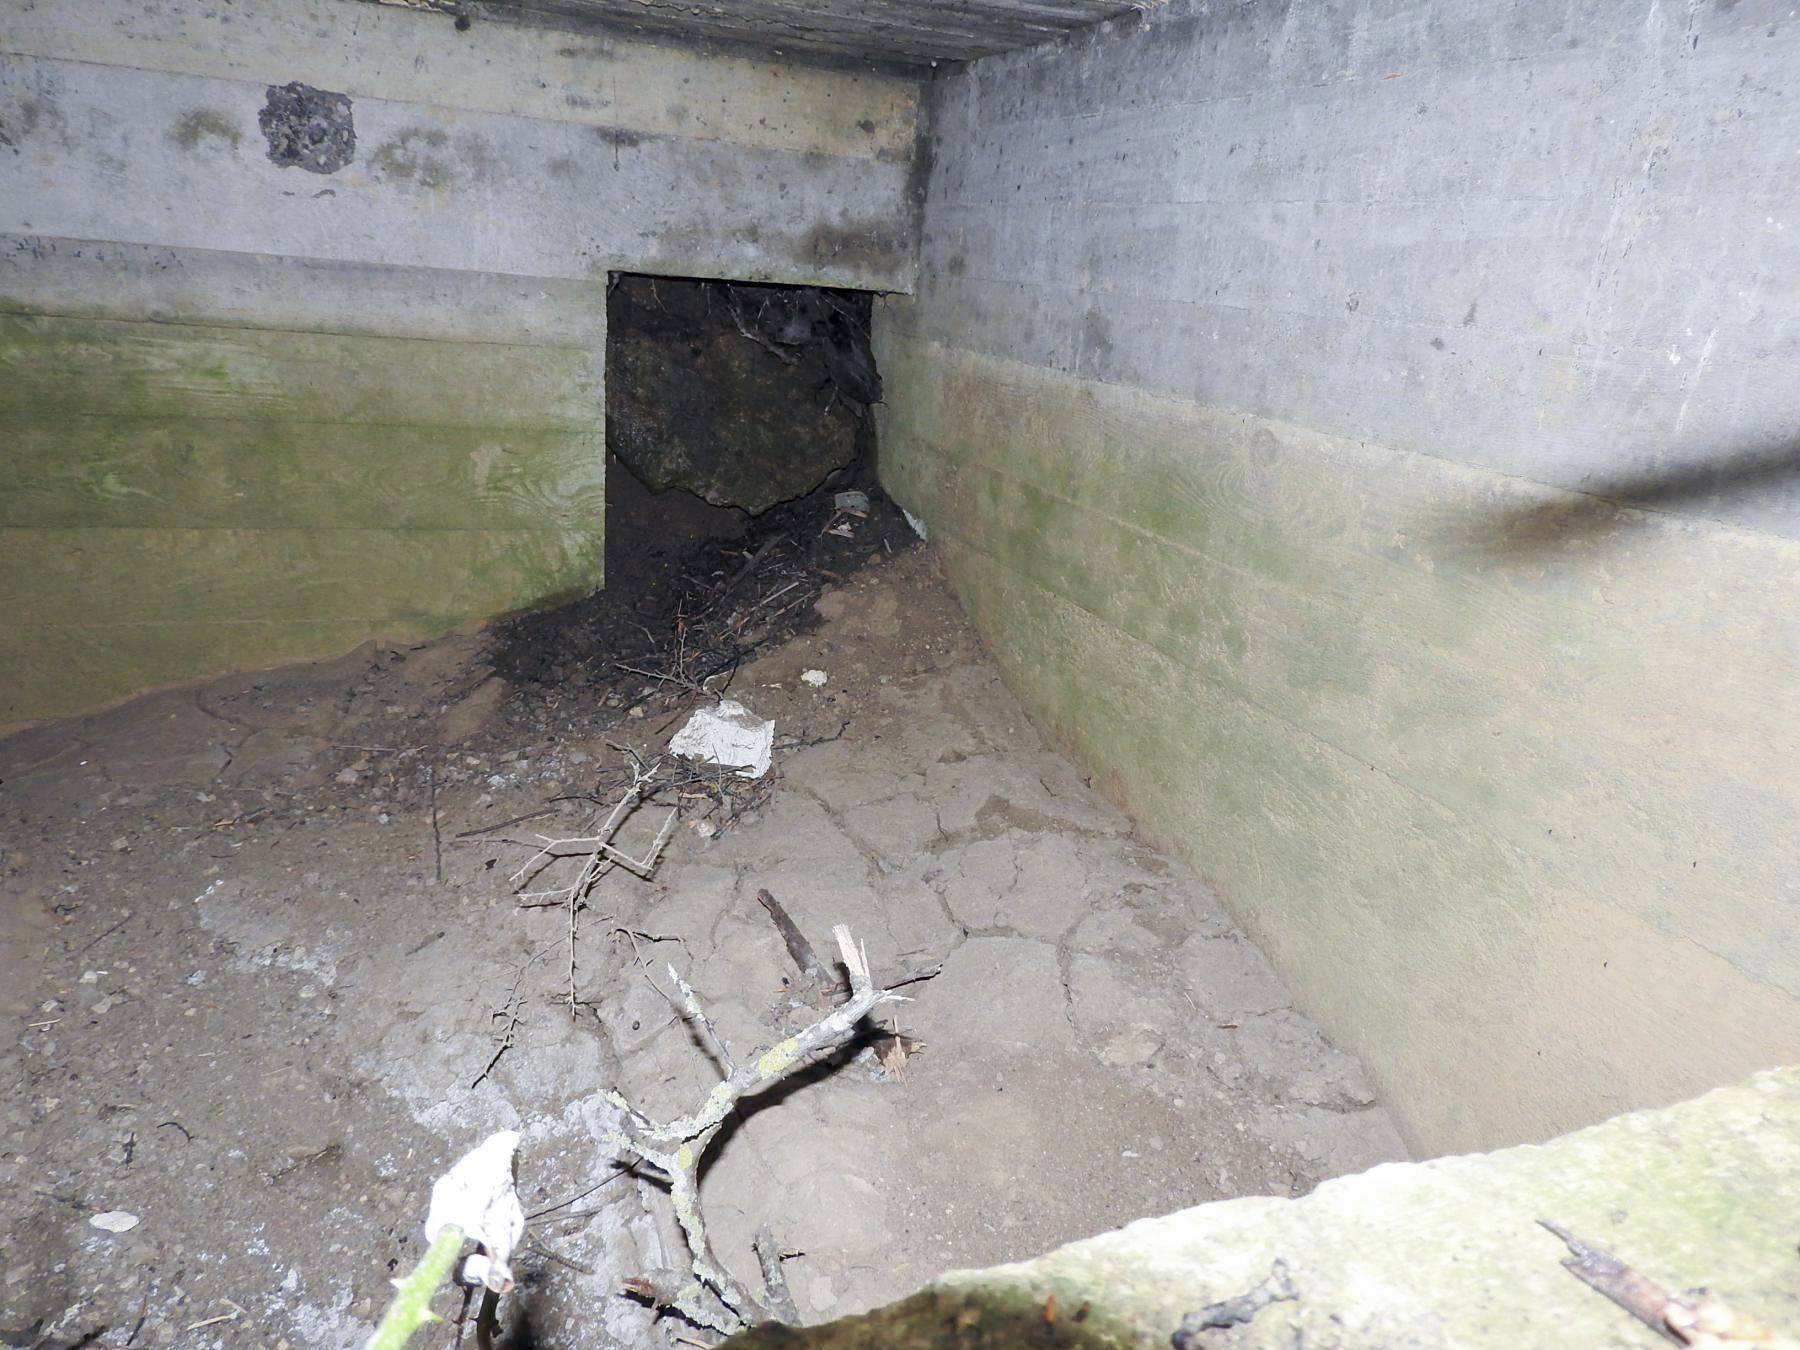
(599, 856)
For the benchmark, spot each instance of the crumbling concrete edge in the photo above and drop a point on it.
(1448, 1252)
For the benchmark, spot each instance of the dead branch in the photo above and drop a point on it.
(501, 825)
(768, 1259)
(1696, 1317)
(599, 855)
(713, 1298)
(437, 834)
(1600, 1270)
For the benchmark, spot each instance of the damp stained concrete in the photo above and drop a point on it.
(245, 1007)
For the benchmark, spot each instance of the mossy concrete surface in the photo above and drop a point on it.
(1500, 777)
(182, 496)
(1448, 1253)
(251, 414)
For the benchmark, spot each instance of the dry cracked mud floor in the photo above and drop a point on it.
(243, 1007)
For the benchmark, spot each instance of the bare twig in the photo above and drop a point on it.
(516, 820)
(511, 1010)
(579, 1196)
(599, 855)
(692, 686)
(750, 565)
(690, 1002)
(437, 837)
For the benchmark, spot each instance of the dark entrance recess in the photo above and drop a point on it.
(737, 419)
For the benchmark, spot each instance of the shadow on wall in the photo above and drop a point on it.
(1753, 487)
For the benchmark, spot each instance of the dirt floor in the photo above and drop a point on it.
(261, 997)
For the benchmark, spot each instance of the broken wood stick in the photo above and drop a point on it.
(768, 1258)
(1697, 1317)
(1600, 1270)
(798, 947)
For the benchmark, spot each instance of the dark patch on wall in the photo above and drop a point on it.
(308, 128)
(202, 123)
(11, 133)
(924, 158)
(876, 246)
(1096, 333)
(593, 51)
(423, 155)
(619, 138)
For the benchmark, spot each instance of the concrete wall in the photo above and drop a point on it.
(1370, 435)
(253, 413)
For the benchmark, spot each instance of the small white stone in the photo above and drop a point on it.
(115, 1221)
(814, 677)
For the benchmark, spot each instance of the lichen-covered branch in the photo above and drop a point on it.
(676, 1147)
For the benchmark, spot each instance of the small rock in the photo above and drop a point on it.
(115, 1221)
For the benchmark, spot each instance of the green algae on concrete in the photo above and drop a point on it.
(1467, 793)
(953, 1319)
(1447, 1253)
(186, 498)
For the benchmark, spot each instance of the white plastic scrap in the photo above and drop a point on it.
(917, 524)
(729, 735)
(115, 1221)
(477, 1196)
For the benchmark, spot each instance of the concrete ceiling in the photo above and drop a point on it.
(888, 33)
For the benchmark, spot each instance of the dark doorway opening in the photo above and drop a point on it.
(740, 483)
(724, 400)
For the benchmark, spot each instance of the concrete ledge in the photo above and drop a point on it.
(1437, 1254)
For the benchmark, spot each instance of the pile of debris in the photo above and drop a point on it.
(618, 655)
